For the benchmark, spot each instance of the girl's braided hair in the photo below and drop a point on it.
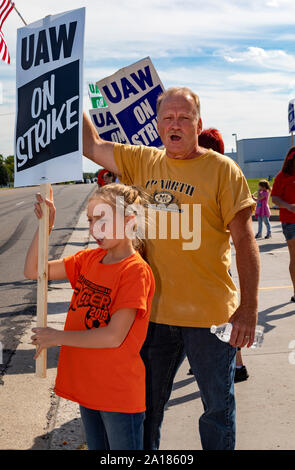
(131, 196)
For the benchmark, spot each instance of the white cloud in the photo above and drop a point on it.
(272, 59)
(279, 3)
(269, 81)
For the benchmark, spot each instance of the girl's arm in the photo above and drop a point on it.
(56, 268)
(260, 197)
(110, 336)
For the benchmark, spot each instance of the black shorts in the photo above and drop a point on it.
(288, 230)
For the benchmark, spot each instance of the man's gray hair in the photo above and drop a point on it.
(181, 90)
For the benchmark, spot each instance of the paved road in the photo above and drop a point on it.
(18, 223)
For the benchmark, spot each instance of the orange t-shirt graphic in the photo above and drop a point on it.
(107, 379)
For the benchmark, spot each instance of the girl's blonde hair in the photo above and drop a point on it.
(131, 196)
(265, 184)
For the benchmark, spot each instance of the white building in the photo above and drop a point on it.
(261, 157)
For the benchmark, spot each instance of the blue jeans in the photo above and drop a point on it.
(267, 224)
(288, 230)
(106, 430)
(213, 364)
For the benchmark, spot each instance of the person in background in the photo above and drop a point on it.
(283, 195)
(100, 178)
(262, 211)
(105, 177)
(212, 138)
(109, 177)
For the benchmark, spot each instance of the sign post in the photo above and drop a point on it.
(42, 286)
(48, 128)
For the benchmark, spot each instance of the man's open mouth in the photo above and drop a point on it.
(175, 138)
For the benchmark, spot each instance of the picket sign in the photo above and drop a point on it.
(48, 129)
(106, 125)
(131, 95)
(291, 119)
(42, 285)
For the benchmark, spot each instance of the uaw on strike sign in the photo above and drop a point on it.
(291, 115)
(131, 95)
(106, 125)
(48, 130)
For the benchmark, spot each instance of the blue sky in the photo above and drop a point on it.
(238, 55)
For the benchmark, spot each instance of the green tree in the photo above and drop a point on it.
(9, 163)
(88, 175)
(4, 176)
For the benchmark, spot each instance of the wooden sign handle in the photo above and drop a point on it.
(42, 285)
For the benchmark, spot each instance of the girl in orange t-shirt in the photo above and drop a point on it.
(100, 366)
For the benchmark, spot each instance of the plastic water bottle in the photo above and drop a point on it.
(224, 330)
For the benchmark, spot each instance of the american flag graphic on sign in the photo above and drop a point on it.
(5, 8)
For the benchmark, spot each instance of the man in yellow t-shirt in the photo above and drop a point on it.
(199, 199)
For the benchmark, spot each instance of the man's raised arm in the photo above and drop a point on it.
(96, 149)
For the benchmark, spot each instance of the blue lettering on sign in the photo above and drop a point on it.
(100, 120)
(114, 135)
(291, 117)
(125, 87)
(139, 120)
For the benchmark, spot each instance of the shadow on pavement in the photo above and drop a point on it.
(271, 247)
(80, 244)
(266, 315)
(53, 308)
(183, 383)
(18, 284)
(69, 436)
(183, 399)
(24, 362)
(77, 229)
